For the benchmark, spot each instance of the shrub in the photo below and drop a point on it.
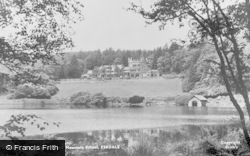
(98, 100)
(52, 89)
(40, 92)
(80, 99)
(3, 88)
(22, 91)
(85, 99)
(32, 91)
(182, 100)
(136, 99)
(209, 87)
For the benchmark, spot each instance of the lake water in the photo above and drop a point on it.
(155, 130)
(78, 120)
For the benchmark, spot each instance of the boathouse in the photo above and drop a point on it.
(197, 101)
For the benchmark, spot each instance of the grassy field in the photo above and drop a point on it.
(123, 88)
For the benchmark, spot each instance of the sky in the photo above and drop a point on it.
(107, 24)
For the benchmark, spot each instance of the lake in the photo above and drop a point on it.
(155, 130)
(78, 120)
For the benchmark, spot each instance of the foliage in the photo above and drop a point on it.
(30, 75)
(32, 36)
(32, 83)
(32, 91)
(117, 61)
(85, 99)
(136, 99)
(145, 147)
(192, 74)
(61, 72)
(3, 84)
(34, 31)
(14, 126)
(177, 61)
(164, 64)
(52, 89)
(219, 23)
(116, 101)
(209, 87)
(74, 68)
(80, 98)
(220, 146)
(182, 100)
(96, 58)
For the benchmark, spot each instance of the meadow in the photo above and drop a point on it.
(157, 87)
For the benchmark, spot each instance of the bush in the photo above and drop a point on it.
(52, 89)
(80, 99)
(32, 91)
(22, 91)
(117, 101)
(85, 99)
(3, 88)
(98, 100)
(209, 87)
(136, 99)
(182, 100)
(40, 92)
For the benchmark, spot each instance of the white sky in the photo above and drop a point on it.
(107, 24)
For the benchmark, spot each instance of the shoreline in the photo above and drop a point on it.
(63, 103)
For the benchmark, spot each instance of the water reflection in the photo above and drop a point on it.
(75, 120)
(128, 142)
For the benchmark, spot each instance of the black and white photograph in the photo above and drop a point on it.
(125, 77)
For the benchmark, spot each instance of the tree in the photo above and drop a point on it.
(125, 60)
(177, 61)
(154, 62)
(219, 23)
(163, 63)
(15, 125)
(61, 73)
(74, 69)
(39, 30)
(108, 56)
(117, 61)
(32, 31)
(93, 60)
(248, 17)
(174, 46)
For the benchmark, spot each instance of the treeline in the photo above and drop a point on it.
(74, 64)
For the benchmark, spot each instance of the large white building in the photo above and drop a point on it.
(138, 68)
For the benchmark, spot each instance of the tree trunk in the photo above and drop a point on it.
(229, 90)
(248, 14)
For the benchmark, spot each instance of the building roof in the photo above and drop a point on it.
(200, 97)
